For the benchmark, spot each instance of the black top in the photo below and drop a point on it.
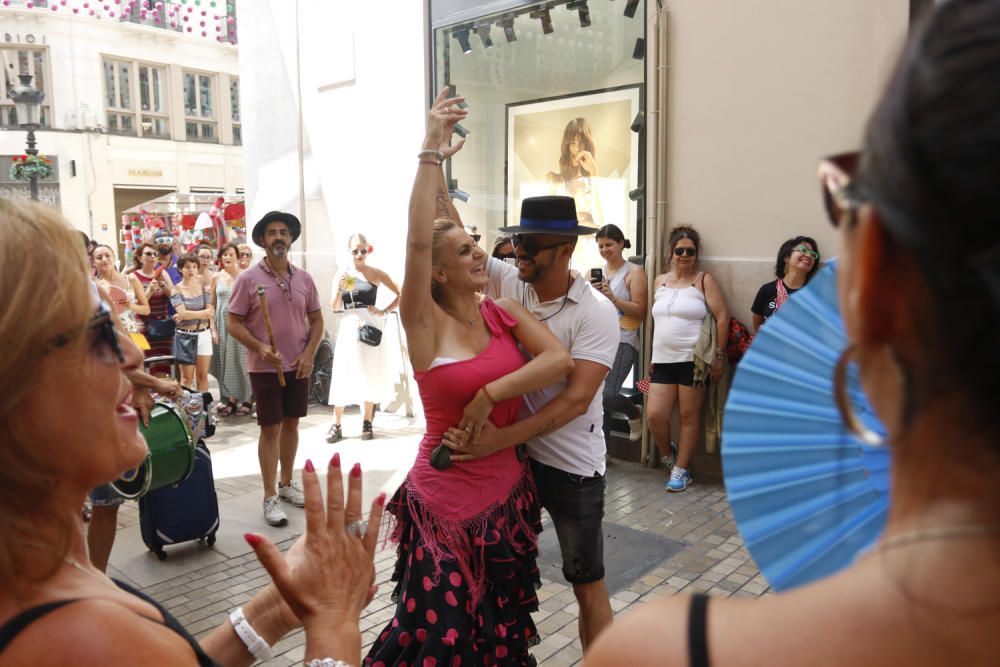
(698, 631)
(362, 296)
(766, 301)
(12, 628)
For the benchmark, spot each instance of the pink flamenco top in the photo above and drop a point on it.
(452, 507)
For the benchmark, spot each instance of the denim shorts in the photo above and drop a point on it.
(105, 496)
(576, 505)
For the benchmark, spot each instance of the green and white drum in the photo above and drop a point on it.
(170, 459)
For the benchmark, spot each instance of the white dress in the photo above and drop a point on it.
(361, 372)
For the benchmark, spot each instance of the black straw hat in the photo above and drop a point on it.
(294, 226)
(549, 215)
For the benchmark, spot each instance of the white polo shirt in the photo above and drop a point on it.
(587, 324)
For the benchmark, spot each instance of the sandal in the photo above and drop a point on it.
(225, 409)
(244, 410)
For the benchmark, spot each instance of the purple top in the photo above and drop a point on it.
(288, 303)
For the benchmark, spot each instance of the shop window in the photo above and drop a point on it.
(547, 83)
(135, 99)
(234, 107)
(24, 60)
(199, 107)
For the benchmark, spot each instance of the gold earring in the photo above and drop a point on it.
(860, 431)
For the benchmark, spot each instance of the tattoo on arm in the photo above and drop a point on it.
(442, 203)
(549, 427)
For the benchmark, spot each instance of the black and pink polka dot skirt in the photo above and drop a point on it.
(438, 621)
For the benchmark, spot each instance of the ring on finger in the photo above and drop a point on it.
(358, 528)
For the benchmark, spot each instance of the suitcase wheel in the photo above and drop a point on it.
(160, 554)
(211, 539)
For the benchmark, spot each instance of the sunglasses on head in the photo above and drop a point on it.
(362, 252)
(806, 250)
(530, 245)
(681, 252)
(164, 240)
(105, 337)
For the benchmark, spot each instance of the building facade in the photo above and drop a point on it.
(142, 98)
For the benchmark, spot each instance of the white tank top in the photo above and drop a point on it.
(620, 290)
(678, 313)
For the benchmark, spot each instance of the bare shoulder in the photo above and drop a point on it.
(97, 632)
(518, 311)
(660, 280)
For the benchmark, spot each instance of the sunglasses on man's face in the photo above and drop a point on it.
(362, 252)
(837, 180)
(806, 250)
(531, 246)
(104, 341)
(681, 252)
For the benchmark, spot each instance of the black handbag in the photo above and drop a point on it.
(160, 329)
(185, 347)
(369, 335)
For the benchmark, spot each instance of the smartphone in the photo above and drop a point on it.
(596, 276)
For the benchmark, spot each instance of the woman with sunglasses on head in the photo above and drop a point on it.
(798, 261)
(923, 188)
(682, 298)
(192, 304)
(465, 570)
(624, 284)
(68, 427)
(128, 298)
(156, 285)
(360, 371)
(229, 362)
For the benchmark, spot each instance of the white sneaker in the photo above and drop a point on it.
(273, 513)
(635, 429)
(292, 494)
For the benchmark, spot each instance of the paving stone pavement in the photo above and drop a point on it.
(199, 584)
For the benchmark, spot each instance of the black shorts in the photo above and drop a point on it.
(576, 505)
(274, 402)
(680, 373)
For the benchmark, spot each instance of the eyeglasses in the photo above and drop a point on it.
(531, 246)
(840, 198)
(105, 337)
(246, 254)
(149, 253)
(681, 252)
(806, 250)
(362, 252)
(506, 255)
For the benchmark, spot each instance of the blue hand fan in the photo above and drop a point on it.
(807, 495)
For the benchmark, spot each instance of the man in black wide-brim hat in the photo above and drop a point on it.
(564, 434)
(295, 316)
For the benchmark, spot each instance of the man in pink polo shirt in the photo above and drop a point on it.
(297, 322)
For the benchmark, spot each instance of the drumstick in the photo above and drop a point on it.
(267, 325)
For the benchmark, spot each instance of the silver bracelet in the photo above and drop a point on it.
(326, 662)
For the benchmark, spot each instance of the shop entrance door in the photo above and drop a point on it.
(127, 197)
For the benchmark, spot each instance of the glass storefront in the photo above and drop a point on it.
(554, 90)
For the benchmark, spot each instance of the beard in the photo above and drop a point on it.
(164, 250)
(278, 249)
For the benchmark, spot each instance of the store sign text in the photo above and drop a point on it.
(26, 38)
(146, 172)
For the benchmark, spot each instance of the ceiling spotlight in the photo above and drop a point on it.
(455, 193)
(639, 52)
(507, 23)
(546, 19)
(483, 30)
(580, 6)
(630, 8)
(637, 194)
(462, 35)
(459, 130)
(639, 124)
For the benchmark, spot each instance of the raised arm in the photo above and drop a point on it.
(428, 200)
(141, 304)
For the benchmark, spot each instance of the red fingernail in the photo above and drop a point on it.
(309, 466)
(335, 461)
(356, 470)
(252, 540)
(380, 499)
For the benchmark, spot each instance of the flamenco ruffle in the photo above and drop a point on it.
(441, 618)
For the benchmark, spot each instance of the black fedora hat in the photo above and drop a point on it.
(294, 226)
(549, 215)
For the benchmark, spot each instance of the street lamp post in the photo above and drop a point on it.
(28, 104)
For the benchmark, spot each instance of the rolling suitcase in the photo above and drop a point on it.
(182, 513)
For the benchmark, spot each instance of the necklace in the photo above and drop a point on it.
(45, 547)
(960, 531)
(468, 320)
(524, 288)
